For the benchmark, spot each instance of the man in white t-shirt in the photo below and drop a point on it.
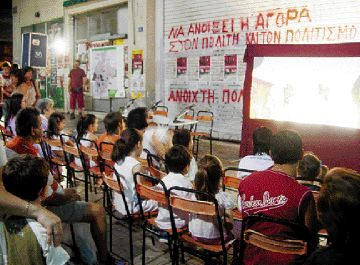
(261, 159)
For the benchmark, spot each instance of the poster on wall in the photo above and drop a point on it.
(34, 49)
(204, 68)
(181, 66)
(107, 72)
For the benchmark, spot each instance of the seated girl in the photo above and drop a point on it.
(56, 125)
(125, 154)
(17, 102)
(86, 129)
(208, 179)
(309, 171)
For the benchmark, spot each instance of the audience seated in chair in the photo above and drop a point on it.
(177, 160)
(125, 154)
(209, 179)
(276, 193)
(46, 108)
(138, 120)
(261, 159)
(183, 137)
(309, 171)
(63, 202)
(338, 210)
(17, 102)
(114, 125)
(26, 176)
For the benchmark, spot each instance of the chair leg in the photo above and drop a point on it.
(131, 244)
(211, 148)
(86, 187)
(143, 248)
(110, 221)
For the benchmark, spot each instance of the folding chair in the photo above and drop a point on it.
(161, 110)
(276, 244)
(71, 152)
(204, 118)
(156, 166)
(116, 186)
(208, 208)
(54, 161)
(145, 190)
(232, 183)
(88, 154)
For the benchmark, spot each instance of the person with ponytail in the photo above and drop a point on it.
(209, 179)
(125, 154)
(86, 129)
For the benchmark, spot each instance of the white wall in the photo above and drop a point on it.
(308, 21)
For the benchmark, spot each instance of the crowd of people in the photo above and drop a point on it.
(33, 201)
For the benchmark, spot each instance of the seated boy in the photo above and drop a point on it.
(177, 160)
(114, 125)
(26, 176)
(183, 137)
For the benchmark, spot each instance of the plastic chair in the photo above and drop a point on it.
(156, 166)
(145, 190)
(206, 208)
(275, 244)
(204, 118)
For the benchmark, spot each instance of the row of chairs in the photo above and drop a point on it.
(201, 130)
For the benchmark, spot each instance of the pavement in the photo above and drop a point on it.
(155, 254)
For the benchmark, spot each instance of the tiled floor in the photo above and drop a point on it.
(156, 254)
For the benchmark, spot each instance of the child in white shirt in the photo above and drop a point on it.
(209, 179)
(183, 137)
(177, 160)
(125, 154)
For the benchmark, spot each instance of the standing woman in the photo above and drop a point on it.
(28, 87)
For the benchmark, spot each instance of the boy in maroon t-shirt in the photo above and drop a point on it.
(276, 193)
(76, 84)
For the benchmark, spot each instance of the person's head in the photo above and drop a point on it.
(28, 73)
(209, 176)
(28, 124)
(114, 123)
(15, 77)
(56, 124)
(286, 147)
(177, 159)
(45, 106)
(77, 63)
(26, 177)
(339, 207)
(261, 140)
(129, 142)
(14, 66)
(309, 167)
(183, 137)
(137, 119)
(323, 171)
(17, 102)
(6, 68)
(86, 123)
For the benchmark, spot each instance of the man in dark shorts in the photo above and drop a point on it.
(77, 78)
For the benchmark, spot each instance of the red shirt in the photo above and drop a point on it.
(77, 75)
(22, 146)
(274, 194)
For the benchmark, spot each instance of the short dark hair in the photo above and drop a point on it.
(177, 159)
(339, 206)
(26, 119)
(309, 167)
(111, 122)
(181, 137)
(261, 140)
(137, 119)
(25, 176)
(53, 123)
(83, 125)
(286, 147)
(6, 64)
(123, 147)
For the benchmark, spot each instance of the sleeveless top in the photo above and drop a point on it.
(124, 168)
(277, 195)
